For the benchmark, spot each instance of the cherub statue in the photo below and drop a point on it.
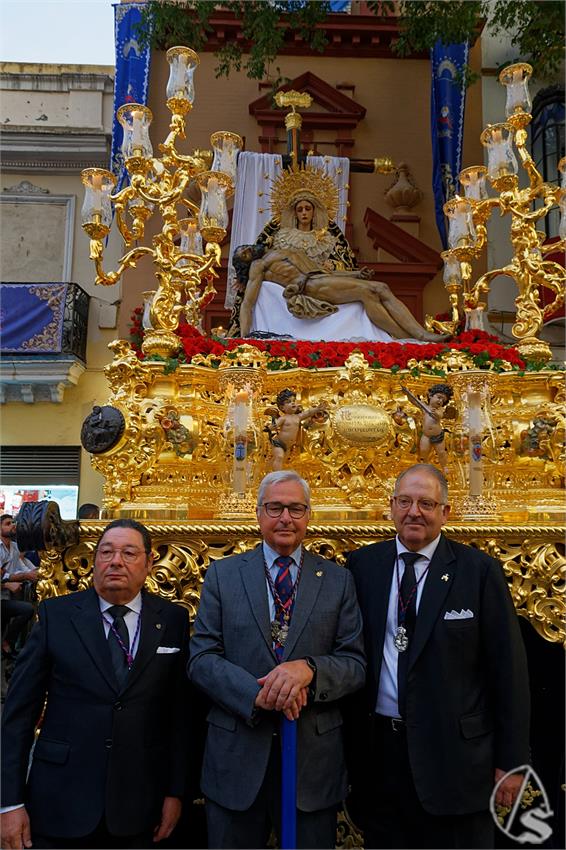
(285, 423)
(434, 411)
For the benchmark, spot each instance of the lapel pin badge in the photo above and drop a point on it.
(158, 625)
(319, 573)
(445, 577)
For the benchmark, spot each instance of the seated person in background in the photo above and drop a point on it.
(309, 256)
(88, 511)
(16, 613)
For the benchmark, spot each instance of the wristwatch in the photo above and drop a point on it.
(311, 663)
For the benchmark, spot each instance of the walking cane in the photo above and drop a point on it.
(288, 784)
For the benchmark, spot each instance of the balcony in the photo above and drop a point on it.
(43, 340)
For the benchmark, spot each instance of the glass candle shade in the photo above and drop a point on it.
(96, 212)
(213, 213)
(226, 147)
(562, 172)
(452, 275)
(135, 120)
(182, 64)
(501, 161)
(147, 303)
(474, 317)
(461, 230)
(516, 80)
(191, 239)
(472, 180)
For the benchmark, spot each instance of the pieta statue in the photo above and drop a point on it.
(303, 251)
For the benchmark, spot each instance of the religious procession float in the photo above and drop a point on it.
(192, 421)
(323, 369)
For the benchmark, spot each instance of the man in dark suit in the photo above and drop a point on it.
(109, 765)
(445, 713)
(278, 632)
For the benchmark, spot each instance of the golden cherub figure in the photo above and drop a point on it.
(434, 411)
(286, 422)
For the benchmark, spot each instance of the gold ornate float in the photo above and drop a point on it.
(190, 446)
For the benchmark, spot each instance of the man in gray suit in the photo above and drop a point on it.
(278, 632)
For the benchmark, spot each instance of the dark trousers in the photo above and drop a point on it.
(251, 828)
(100, 839)
(15, 616)
(392, 816)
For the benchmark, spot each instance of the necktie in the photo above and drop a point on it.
(408, 598)
(119, 660)
(284, 589)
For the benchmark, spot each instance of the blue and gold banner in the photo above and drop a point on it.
(31, 317)
(448, 101)
(343, 6)
(132, 75)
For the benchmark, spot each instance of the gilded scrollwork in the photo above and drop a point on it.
(345, 457)
(532, 558)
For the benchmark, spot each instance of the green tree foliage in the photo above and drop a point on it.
(534, 27)
(263, 25)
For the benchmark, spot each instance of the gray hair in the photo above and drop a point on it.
(282, 475)
(431, 470)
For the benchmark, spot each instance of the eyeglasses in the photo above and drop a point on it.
(424, 505)
(129, 556)
(275, 509)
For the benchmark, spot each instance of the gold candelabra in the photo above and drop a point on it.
(467, 226)
(184, 270)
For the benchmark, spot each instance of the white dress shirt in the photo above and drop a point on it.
(130, 619)
(387, 691)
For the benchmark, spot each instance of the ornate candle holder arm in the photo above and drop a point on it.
(550, 275)
(482, 284)
(535, 177)
(126, 202)
(129, 260)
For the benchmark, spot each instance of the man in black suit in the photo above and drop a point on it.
(446, 708)
(109, 765)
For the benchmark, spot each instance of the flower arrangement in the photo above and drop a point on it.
(482, 350)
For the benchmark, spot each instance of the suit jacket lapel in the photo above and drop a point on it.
(252, 571)
(310, 585)
(152, 631)
(89, 626)
(434, 593)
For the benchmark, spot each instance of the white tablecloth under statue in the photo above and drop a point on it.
(349, 323)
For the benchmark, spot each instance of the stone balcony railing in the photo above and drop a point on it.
(43, 341)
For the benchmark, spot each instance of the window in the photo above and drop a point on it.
(37, 473)
(547, 143)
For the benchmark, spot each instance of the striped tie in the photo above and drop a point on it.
(284, 588)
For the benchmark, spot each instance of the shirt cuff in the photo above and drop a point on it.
(4, 809)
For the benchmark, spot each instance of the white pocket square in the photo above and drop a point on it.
(167, 650)
(464, 614)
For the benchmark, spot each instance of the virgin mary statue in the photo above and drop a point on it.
(299, 277)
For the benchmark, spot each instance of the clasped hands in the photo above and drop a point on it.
(285, 688)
